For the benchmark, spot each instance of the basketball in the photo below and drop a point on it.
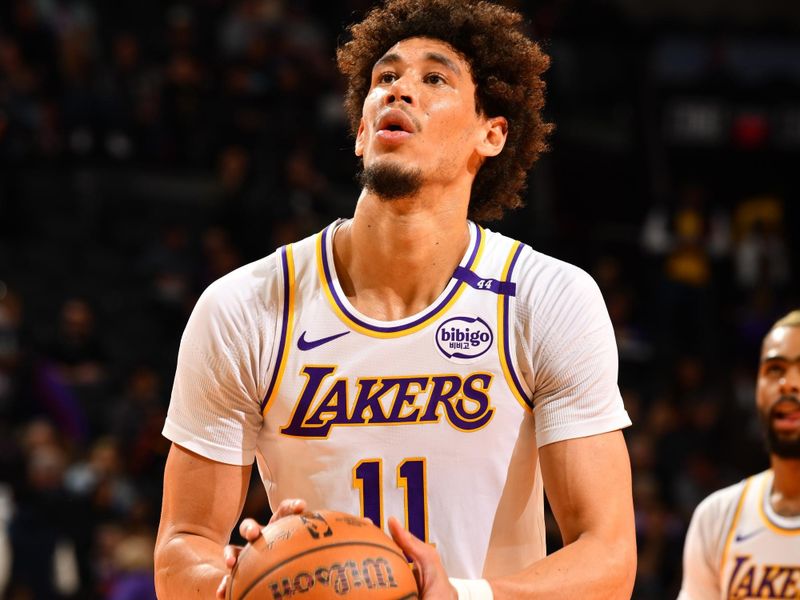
(320, 555)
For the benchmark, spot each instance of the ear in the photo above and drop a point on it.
(494, 134)
(360, 138)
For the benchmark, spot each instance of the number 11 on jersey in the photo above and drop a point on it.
(368, 479)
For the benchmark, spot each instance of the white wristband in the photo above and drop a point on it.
(472, 589)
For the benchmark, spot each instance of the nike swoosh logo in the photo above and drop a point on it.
(304, 344)
(746, 536)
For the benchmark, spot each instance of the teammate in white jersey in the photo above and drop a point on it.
(407, 364)
(744, 540)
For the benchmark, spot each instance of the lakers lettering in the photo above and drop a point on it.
(327, 401)
(341, 578)
(752, 580)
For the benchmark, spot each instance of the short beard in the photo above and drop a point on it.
(777, 445)
(391, 181)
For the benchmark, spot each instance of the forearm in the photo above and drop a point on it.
(589, 568)
(188, 566)
(202, 501)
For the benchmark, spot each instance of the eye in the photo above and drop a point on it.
(774, 369)
(435, 79)
(386, 77)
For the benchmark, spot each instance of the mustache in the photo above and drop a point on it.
(790, 398)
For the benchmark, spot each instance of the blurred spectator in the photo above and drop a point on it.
(685, 242)
(71, 381)
(76, 350)
(219, 253)
(633, 341)
(141, 400)
(50, 530)
(169, 266)
(762, 256)
(101, 480)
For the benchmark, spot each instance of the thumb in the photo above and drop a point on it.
(407, 541)
(428, 570)
(415, 549)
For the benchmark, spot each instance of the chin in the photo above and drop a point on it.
(391, 180)
(783, 445)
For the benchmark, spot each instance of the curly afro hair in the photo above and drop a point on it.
(506, 67)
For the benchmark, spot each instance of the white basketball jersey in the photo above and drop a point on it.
(429, 418)
(738, 547)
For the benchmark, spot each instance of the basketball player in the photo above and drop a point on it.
(744, 540)
(408, 365)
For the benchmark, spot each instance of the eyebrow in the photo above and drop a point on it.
(436, 57)
(779, 358)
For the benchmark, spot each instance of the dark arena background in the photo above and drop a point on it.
(148, 148)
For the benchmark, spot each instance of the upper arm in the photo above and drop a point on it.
(570, 354)
(588, 485)
(223, 362)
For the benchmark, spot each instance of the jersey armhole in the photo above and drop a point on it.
(732, 528)
(284, 325)
(507, 332)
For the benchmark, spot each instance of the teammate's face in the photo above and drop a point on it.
(420, 114)
(778, 391)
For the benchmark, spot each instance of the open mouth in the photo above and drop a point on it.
(395, 124)
(785, 414)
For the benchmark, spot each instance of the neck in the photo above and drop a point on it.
(785, 496)
(395, 257)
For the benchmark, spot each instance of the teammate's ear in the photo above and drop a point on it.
(360, 138)
(494, 137)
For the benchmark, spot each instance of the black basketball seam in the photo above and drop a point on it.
(311, 551)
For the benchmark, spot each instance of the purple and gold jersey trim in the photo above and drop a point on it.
(762, 509)
(503, 346)
(472, 279)
(325, 270)
(287, 321)
(734, 524)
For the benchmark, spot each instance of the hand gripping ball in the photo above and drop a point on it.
(322, 555)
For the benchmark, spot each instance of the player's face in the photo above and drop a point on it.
(420, 113)
(778, 391)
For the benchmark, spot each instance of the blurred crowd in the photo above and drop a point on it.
(148, 148)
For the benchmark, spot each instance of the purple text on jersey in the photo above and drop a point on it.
(763, 581)
(321, 407)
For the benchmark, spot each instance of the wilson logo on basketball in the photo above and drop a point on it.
(464, 338)
(371, 573)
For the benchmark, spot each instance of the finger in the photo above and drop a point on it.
(288, 507)
(231, 553)
(223, 588)
(250, 530)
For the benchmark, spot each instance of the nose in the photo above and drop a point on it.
(399, 92)
(790, 382)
